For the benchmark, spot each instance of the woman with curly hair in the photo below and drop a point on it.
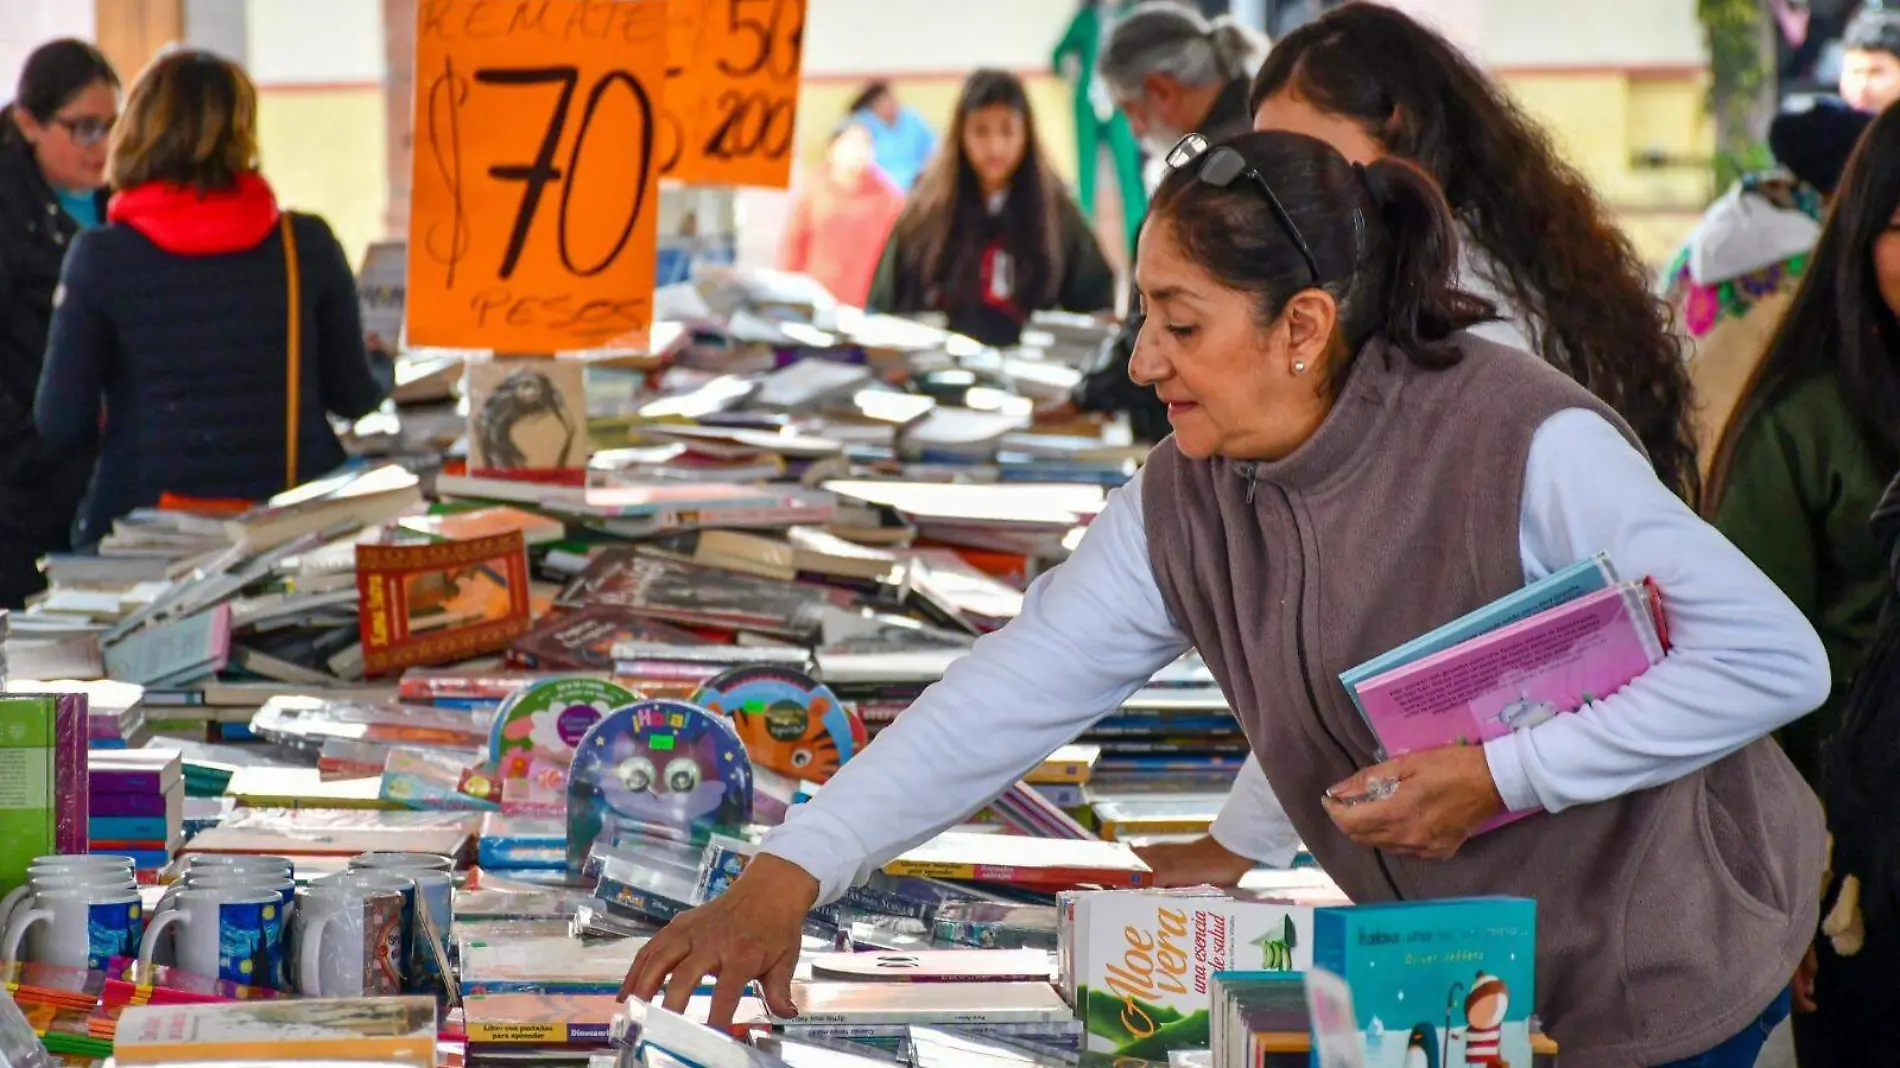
(1535, 240)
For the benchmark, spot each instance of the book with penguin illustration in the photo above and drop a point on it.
(1436, 984)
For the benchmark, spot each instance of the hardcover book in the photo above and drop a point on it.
(433, 604)
(1142, 963)
(1450, 982)
(584, 639)
(701, 596)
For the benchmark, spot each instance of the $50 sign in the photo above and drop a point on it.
(535, 188)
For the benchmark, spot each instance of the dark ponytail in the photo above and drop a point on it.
(1420, 304)
(53, 75)
(1383, 239)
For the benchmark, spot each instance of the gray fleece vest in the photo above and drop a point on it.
(1666, 919)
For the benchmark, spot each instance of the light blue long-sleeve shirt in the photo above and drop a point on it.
(901, 148)
(1743, 662)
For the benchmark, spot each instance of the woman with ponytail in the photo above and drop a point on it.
(1351, 466)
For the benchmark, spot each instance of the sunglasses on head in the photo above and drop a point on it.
(87, 130)
(1221, 167)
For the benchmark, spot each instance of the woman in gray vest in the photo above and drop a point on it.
(1349, 468)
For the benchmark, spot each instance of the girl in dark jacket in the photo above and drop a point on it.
(177, 314)
(52, 170)
(989, 235)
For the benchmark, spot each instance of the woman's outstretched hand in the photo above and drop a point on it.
(1202, 862)
(750, 932)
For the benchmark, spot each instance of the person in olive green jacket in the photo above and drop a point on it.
(989, 234)
(1816, 438)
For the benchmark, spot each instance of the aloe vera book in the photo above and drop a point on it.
(1143, 962)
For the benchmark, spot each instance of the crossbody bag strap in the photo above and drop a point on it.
(293, 381)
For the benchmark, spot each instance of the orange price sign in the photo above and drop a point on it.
(732, 91)
(535, 189)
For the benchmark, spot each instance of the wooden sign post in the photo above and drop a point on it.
(535, 187)
(732, 91)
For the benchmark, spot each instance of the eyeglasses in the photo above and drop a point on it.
(1221, 167)
(87, 130)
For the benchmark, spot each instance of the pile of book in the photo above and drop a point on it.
(137, 805)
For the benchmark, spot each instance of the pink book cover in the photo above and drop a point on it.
(1519, 676)
(70, 728)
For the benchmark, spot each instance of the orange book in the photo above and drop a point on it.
(436, 604)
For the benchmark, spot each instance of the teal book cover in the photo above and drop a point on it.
(1436, 984)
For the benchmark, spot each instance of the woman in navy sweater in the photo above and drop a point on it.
(175, 316)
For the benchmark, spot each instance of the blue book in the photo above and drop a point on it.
(129, 828)
(1436, 982)
(1561, 587)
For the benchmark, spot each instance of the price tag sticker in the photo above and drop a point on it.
(535, 189)
(732, 91)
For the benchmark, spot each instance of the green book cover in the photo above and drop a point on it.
(28, 804)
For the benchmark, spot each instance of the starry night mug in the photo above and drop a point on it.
(235, 934)
(75, 928)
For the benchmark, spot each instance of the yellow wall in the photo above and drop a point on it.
(324, 152)
(1601, 120)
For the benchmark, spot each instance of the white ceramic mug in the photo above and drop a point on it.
(245, 861)
(383, 860)
(76, 928)
(63, 878)
(234, 934)
(348, 942)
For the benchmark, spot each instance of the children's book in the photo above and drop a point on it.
(1580, 578)
(539, 1019)
(433, 604)
(1450, 981)
(1519, 676)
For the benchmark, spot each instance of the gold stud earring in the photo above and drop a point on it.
(1299, 367)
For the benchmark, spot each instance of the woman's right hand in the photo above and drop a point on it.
(752, 931)
(1202, 862)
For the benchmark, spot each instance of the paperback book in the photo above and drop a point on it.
(1453, 977)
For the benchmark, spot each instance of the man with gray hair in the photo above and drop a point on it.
(1173, 73)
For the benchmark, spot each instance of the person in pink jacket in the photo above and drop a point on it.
(840, 220)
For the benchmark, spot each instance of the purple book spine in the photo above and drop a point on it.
(70, 728)
(113, 781)
(127, 804)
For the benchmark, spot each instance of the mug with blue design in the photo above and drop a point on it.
(235, 934)
(78, 927)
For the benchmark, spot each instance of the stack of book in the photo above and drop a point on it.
(138, 805)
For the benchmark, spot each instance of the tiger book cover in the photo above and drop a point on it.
(1436, 982)
(441, 602)
(1142, 963)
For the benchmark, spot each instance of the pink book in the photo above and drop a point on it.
(1519, 676)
